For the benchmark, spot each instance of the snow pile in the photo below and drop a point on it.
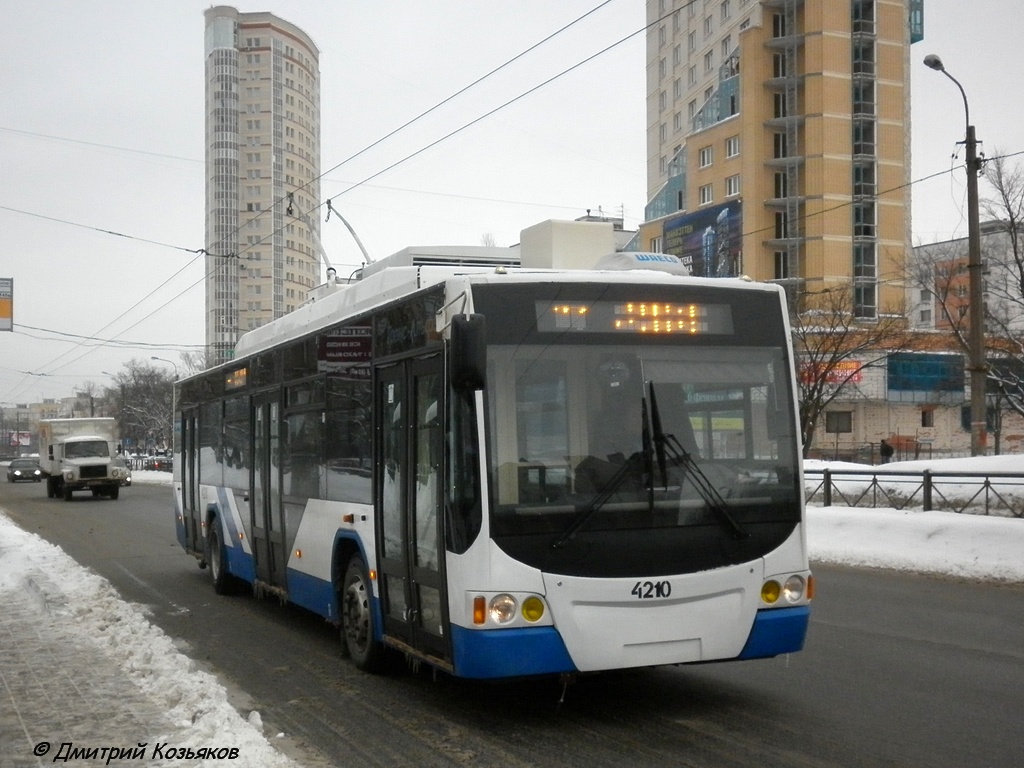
(72, 597)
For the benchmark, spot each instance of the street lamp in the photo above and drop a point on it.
(976, 308)
(165, 360)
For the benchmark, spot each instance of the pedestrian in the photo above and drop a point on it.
(885, 451)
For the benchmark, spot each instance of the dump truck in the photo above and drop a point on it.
(78, 455)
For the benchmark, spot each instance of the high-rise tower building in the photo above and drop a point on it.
(262, 172)
(778, 141)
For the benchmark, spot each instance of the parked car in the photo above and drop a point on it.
(120, 461)
(159, 463)
(24, 469)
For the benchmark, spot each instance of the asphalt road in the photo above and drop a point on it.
(899, 670)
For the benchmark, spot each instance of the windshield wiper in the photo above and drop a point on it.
(667, 446)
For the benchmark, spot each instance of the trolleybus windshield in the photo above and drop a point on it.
(619, 451)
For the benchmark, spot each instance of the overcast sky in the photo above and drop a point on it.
(101, 147)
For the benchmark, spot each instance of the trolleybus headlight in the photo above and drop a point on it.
(770, 591)
(794, 589)
(503, 609)
(533, 609)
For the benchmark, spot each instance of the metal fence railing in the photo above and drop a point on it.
(987, 493)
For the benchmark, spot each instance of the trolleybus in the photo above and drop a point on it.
(505, 472)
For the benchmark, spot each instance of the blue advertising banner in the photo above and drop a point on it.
(709, 240)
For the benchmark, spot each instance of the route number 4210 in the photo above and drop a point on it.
(647, 590)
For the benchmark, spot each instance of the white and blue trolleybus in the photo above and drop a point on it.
(502, 471)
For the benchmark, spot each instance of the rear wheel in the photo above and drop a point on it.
(357, 622)
(216, 559)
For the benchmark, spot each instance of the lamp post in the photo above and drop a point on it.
(165, 360)
(976, 308)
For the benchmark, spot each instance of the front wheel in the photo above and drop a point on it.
(357, 621)
(113, 492)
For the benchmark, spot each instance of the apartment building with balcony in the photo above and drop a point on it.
(778, 141)
(262, 172)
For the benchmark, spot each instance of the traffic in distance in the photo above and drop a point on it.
(505, 472)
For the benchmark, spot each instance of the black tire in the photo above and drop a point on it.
(357, 620)
(113, 492)
(216, 559)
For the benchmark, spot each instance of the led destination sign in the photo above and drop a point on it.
(653, 317)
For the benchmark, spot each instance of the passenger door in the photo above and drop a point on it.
(191, 514)
(270, 559)
(410, 413)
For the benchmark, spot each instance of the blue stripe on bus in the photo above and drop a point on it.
(775, 631)
(313, 594)
(509, 652)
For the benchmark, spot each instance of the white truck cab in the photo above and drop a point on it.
(78, 455)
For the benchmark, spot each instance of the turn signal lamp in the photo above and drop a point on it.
(479, 610)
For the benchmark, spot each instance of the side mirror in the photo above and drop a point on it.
(467, 363)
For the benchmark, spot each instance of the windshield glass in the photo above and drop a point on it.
(86, 449)
(640, 456)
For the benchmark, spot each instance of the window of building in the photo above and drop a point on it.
(693, 76)
(778, 25)
(732, 185)
(691, 42)
(662, 101)
(706, 194)
(927, 417)
(726, 47)
(709, 61)
(677, 56)
(864, 219)
(779, 100)
(781, 145)
(782, 271)
(677, 121)
(732, 146)
(706, 156)
(865, 300)
(691, 109)
(677, 89)
(726, 8)
(781, 225)
(779, 68)
(661, 35)
(663, 133)
(781, 185)
(709, 26)
(662, 69)
(863, 179)
(656, 244)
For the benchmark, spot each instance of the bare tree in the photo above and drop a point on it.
(195, 361)
(1003, 256)
(141, 401)
(832, 345)
(941, 270)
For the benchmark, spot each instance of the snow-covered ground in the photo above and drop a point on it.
(198, 712)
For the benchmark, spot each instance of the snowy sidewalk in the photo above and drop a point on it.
(81, 667)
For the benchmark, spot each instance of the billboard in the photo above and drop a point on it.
(709, 240)
(6, 303)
